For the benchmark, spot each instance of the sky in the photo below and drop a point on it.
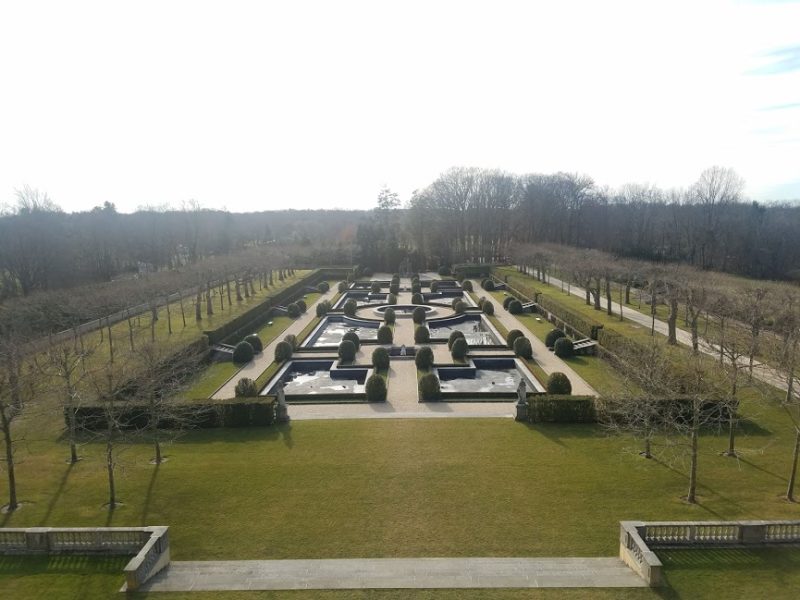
(269, 105)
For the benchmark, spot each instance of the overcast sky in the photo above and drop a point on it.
(263, 105)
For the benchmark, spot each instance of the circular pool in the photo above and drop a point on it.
(404, 310)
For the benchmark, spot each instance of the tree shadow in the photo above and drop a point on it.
(285, 430)
(762, 469)
(54, 499)
(556, 432)
(149, 495)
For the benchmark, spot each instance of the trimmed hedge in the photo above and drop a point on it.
(564, 348)
(376, 388)
(350, 307)
(246, 388)
(583, 325)
(429, 389)
(323, 287)
(255, 342)
(380, 359)
(418, 315)
(454, 335)
(552, 337)
(545, 408)
(488, 308)
(385, 334)
(424, 358)
(283, 351)
(389, 316)
(459, 349)
(243, 353)
(293, 310)
(513, 335)
(347, 351)
(417, 299)
(353, 337)
(522, 347)
(422, 335)
(466, 285)
(515, 307)
(558, 383)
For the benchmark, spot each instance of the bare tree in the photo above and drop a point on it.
(11, 405)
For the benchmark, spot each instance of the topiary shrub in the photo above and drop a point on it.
(350, 307)
(380, 359)
(416, 288)
(417, 299)
(323, 286)
(342, 286)
(466, 285)
(291, 339)
(444, 271)
(424, 358)
(429, 389)
(488, 308)
(375, 288)
(422, 335)
(454, 335)
(293, 310)
(558, 383)
(389, 316)
(564, 348)
(522, 347)
(394, 289)
(507, 300)
(481, 301)
(283, 351)
(396, 278)
(323, 308)
(418, 316)
(246, 388)
(391, 299)
(515, 307)
(385, 334)
(513, 335)
(302, 305)
(255, 342)
(453, 302)
(435, 286)
(243, 353)
(459, 349)
(347, 351)
(487, 284)
(376, 388)
(353, 337)
(460, 307)
(552, 336)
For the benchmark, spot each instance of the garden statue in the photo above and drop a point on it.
(281, 410)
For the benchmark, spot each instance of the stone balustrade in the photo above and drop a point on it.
(150, 546)
(638, 538)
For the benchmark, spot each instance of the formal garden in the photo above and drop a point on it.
(244, 432)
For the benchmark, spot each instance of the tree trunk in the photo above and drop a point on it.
(691, 497)
(672, 337)
(627, 293)
(110, 341)
(157, 448)
(183, 314)
(793, 474)
(112, 488)
(198, 303)
(228, 287)
(222, 297)
(597, 296)
(588, 297)
(238, 291)
(609, 312)
(209, 305)
(169, 317)
(5, 423)
(695, 333)
(130, 331)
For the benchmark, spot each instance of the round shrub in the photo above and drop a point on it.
(488, 285)
(422, 335)
(246, 388)
(459, 349)
(429, 387)
(513, 335)
(350, 307)
(466, 285)
(347, 351)
(507, 300)
(453, 302)
(444, 271)
(293, 310)
(380, 359)
(243, 353)
(418, 316)
(460, 307)
(564, 348)
(385, 334)
(323, 286)
(488, 308)
(323, 308)
(391, 299)
(394, 288)
(291, 339)
(522, 347)
(375, 288)
(342, 286)
(396, 278)
(558, 383)
(435, 286)
(255, 342)
(454, 335)
(515, 307)
(424, 358)
(481, 301)
(353, 337)
(416, 288)
(302, 305)
(389, 316)
(417, 299)
(283, 351)
(552, 336)
(376, 389)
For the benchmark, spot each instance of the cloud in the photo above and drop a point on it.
(789, 106)
(780, 61)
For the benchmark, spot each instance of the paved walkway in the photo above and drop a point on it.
(259, 364)
(394, 573)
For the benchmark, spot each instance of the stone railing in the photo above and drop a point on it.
(638, 538)
(150, 545)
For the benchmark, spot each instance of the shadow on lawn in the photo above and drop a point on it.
(556, 432)
(54, 499)
(149, 495)
(62, 563)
